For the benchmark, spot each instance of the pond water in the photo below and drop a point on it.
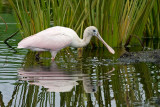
(91, 77)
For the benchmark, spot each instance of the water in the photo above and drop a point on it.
(92, 77)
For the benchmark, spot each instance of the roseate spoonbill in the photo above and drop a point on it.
(55, 38)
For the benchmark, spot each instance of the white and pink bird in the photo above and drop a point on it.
(56, 38)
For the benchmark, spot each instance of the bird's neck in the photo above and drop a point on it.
(78, 43)
(86, 39)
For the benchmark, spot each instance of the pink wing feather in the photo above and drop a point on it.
(48, 39)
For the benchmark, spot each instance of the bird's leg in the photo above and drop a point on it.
(52, 59)
(37, 55)
(53, 53)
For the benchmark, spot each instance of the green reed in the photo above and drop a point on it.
(115, 20)
(153, 24)
(6, 26)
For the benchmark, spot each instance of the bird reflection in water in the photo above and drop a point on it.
(56, 79)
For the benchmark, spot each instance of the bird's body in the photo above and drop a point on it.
(56, 38)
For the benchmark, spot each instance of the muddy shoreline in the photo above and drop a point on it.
(142, 56)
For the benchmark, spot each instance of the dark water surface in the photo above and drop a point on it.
(92, 77)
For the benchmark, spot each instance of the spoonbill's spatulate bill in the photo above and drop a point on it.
(56, 38)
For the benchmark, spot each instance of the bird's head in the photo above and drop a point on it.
(93, 31)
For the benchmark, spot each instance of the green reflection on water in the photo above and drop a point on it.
(93, 82)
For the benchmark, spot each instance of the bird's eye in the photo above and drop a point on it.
(94, 30)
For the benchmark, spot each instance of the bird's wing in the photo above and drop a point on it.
(49, 41)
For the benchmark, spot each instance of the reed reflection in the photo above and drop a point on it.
(67, 81)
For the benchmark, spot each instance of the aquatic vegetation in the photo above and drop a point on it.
(116, 21)
(6, 26)
(153, 23)
(134, 84)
